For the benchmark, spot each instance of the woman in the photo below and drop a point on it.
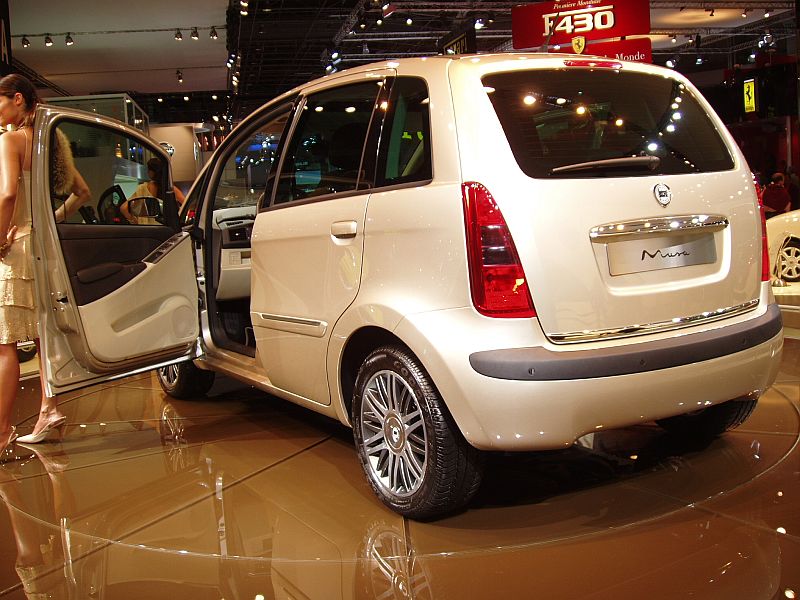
(18, 322)
(132, 208)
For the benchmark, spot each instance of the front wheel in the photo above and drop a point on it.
(711, 421)
(415, 458)
(185, 380)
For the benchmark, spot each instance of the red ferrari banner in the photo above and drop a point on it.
(637, 50)
(533, 25)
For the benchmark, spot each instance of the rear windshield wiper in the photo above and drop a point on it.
(610, 164)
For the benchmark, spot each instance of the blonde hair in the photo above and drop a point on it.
(62, 166)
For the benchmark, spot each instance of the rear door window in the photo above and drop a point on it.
(405, 154)
(557, 120)
(325, 151)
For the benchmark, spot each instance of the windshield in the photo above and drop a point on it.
(558, 118)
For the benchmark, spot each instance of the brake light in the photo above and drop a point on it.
(497, 280)
(592, 63)
(765, 273)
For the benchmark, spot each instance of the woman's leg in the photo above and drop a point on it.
(48, 413)
(9, 384)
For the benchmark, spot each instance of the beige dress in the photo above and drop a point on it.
(18, 319)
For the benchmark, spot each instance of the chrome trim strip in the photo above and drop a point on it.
(658, 225)
(662, 326)
(297, 325)
(294, 320)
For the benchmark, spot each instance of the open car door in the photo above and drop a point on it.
(116, 294)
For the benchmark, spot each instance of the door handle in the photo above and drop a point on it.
(344, 230)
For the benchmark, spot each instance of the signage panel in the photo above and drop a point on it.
(533, 25)
(749, 95)
(461, 42)
(637, 50)
(5, 39)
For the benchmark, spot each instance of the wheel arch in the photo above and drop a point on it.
(358, 346)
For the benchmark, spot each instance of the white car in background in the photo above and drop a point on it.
(453, 255)
(783, 234)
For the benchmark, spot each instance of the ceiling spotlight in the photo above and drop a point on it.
(379, 22)
(674, 39)
(25, 42)
(213, 33)
(698, 60)
(179, 76)
(767, 12)
(216, 118)
(186, 98)
(480, 23)
(195, 35)
(409, 21)
(48, 41)
(160, 99)
(744, 13)
(213, 96)
(362, 24)
(68, 40)
(178, 35)
(670, 63)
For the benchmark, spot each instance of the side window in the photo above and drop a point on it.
(325, 152)
(405, 153)
(101, 176)
(245, 173)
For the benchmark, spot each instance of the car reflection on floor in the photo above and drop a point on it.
(238, 495)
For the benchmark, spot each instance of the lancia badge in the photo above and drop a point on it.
(662, 193)
(579, 44)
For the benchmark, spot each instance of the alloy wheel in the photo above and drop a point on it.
(394, 438)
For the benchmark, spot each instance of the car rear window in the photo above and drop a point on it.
(560, 119)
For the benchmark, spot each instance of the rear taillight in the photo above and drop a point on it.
(499, 287)
(765, 273)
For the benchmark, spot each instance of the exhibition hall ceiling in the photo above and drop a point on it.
(282, 43)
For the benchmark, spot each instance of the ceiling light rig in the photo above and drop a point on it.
(68, 40)
(48, 41)
(243, 4)
(25, 42)
(179, 76)
(767, 13)
(195, 35)
(744, 13)
(213, 33)
(178, 35)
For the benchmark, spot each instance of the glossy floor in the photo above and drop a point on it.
(240, 495)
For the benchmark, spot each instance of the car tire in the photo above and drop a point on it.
(712, 421)
(26, 353)
(415, 458)
(185, 380)
(789, 262)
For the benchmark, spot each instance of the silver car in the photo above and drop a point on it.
(452, 255)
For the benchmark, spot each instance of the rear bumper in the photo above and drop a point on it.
(541, 364)
(526, 413)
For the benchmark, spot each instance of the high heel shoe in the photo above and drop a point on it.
(34, 438)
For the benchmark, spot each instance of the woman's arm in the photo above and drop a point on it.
(80, 194)
(179, 197)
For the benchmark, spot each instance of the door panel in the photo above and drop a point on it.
(307, 248)
(113, 297)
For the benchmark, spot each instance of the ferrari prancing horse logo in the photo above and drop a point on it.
(579, 44)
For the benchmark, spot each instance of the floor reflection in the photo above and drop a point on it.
(240, 495)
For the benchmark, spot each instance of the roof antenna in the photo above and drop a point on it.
(543, 47)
